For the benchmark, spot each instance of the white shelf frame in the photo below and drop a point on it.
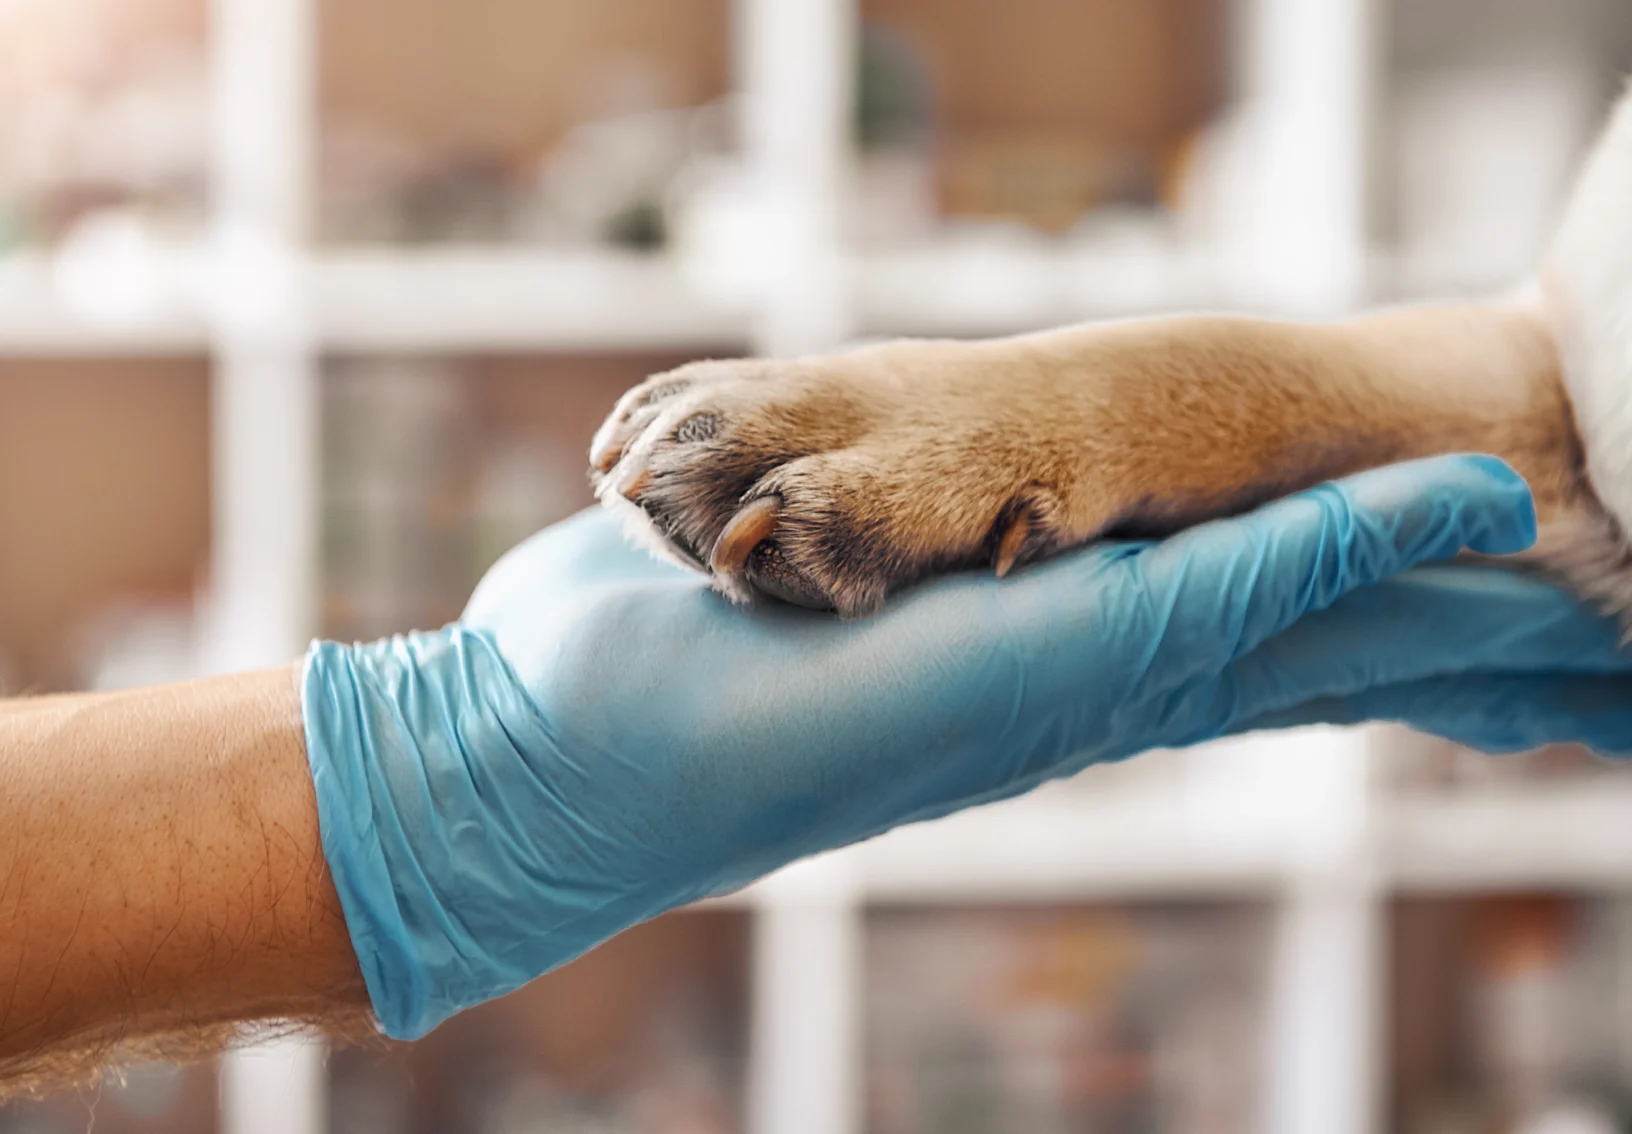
(263, 600)
(1326, 850)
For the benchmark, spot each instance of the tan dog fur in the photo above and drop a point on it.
(880, 466)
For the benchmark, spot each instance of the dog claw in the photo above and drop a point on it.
(1008, 548)
(636, 484)
(747, 529)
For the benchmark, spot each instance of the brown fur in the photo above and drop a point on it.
(902, 460)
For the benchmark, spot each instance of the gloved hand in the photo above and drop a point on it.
(1516, 663)
(602, 738)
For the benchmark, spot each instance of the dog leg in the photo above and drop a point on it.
(833, 481)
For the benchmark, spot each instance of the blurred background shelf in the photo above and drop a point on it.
(1572, 836)
(1065, 1016)
(1568, 837)
(647, 1033)
(1508, 1004)
(452, 298)
(993, 284)
(1065, 849)
(135, 300)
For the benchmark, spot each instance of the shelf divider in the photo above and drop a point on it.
(262, 604)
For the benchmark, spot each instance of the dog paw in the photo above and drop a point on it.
(831, 483)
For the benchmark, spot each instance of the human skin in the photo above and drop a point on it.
(162, 878)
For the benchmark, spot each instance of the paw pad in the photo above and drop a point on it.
(699, 427)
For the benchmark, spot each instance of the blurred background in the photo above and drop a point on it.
(308, 309)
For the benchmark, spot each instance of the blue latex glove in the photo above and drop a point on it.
(603, 739)
(1522, 663)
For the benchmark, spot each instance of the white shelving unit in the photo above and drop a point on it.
(1294, 819)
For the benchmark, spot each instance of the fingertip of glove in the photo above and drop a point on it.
(1470, 500)
(1436, 507)
(1513, 525)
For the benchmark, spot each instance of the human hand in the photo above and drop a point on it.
(1498, 661)
(602, 738)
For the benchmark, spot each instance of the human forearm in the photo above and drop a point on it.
(161, 875)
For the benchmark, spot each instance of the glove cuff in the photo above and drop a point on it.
(461, 872)
(386, 724)
(346, 723)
